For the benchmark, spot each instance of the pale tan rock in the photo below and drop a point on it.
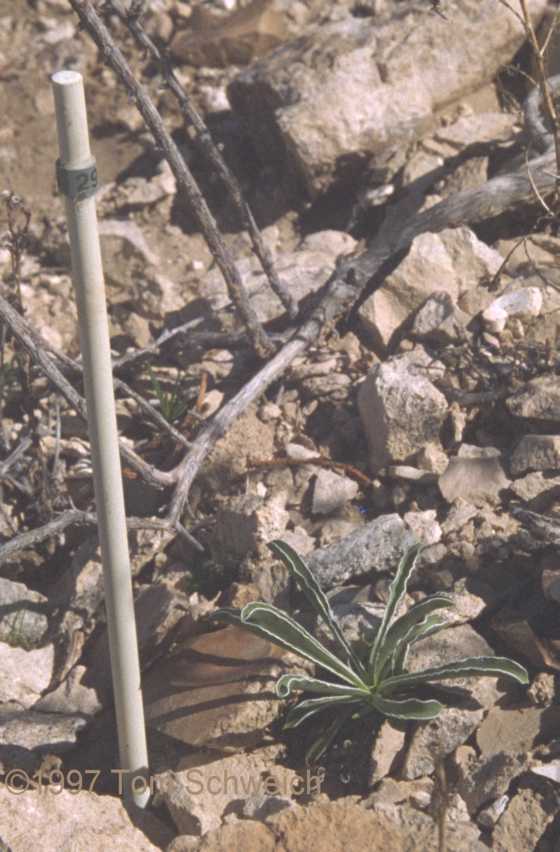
(475, 474)
(83, 822)
(516, 730)
(342, 93)
(536, 452)
(302, 271)
(344, 824)
(332, 491)
(215, 689)
(388, 744)
(24, 675)
(400, 408)
(524, 822)
(451, 262)
(217, 40)
(198, 797)
(454, 725)
(247, 522)
(539, 399)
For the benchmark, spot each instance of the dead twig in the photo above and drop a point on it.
(208, 149)
(29, 341)
(320, 461)
(112, 55)
(441, 803)
(15, 455)
(76, 517)
(343, 287)
(544, 87)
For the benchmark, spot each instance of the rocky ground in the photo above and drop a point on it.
(425, 407)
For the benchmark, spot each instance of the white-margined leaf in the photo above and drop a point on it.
(408, 708)
(431, 624)
(397, 591)
(403, 626)
(284, 631)
(286, 684)
(309, 585)
(470, 667)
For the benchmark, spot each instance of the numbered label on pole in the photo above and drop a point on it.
(77, 184)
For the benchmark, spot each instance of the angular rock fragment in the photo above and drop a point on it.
(331, 491)
(439, 320)
(200, 793)
(215, 690)
(536, 452)
(526, 302)
(454, 725)
(539, 399)
(438, 266)
(302, 272)
(247, 522)
(342, 98)
(23, 619)
(377, 546)
(215, 40)
(24, 675)
(30, 729)
(524, 821)
(475, 474)
(401, 410)
(66, 819)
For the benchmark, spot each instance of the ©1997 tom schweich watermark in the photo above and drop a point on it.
(196, 780)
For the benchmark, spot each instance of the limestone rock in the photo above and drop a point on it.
(536, 452)
(524, 822)
(475, 474)
(83, 822)
(525, 302)
(342, 95)
(401, 410)
(24, 622)
(28, 731)
(214, 689)
(303, 272)
(539, 399)
(439, 320)
(24, 675)
(200, 793)
(454, 725)
(331, 491)
(377, 546)
(438, 266)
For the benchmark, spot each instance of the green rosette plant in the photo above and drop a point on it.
(358, 684)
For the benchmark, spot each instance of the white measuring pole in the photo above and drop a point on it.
(77, 178)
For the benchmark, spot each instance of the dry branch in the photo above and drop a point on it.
(344, 286)
(29, 339)
(208, 149)
(75, 517)
(91, 21)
